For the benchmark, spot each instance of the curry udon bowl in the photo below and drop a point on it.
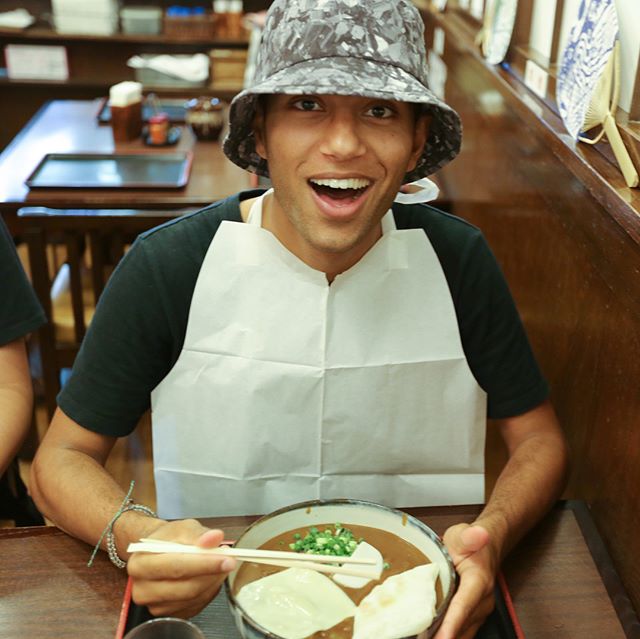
(349, 513)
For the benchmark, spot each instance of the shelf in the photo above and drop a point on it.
(594, 166)
(97, 62)
(49, 35)
(225, 91)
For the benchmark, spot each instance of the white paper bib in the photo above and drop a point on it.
(289, 389)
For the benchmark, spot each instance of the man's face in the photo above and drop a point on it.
(336, 163)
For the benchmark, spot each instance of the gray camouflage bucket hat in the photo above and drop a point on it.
(368, 48)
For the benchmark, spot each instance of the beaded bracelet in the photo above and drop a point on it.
(111, 542)
(126, 506)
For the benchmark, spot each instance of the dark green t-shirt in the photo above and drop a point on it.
(20, 311)
(138, 329)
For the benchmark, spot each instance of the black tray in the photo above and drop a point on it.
(174, 107)
(216, 620)
(112, 171)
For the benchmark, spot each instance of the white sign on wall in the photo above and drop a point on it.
(437, 74)
(628, 21)
(36, 62)
(438, 41)
(536, 78)
(542, 21)
(477, 9)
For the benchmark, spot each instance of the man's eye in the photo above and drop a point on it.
(307, 104)
(380, 111)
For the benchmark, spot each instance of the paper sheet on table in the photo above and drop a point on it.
(192, 68)
(17, 19)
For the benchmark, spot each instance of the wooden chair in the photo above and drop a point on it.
(87, 244)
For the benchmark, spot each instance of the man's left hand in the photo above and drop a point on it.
(477, 565)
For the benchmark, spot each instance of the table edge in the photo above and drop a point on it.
(606, 569)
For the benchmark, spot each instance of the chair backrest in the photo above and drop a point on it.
(71, 255)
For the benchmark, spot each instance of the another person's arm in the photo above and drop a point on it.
(20, 314)
(531, 481)
(16, 399)
(72, 488)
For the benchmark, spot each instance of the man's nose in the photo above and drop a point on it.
(342, 138)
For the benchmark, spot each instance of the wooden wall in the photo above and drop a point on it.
(574, 269)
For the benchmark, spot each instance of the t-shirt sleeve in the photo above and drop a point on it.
(20, 311)
(493, 336)
(126, 352)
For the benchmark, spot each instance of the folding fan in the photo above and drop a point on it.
(588, 83)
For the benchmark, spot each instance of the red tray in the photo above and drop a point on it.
(501, 624)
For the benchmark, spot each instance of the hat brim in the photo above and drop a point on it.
(345, 76)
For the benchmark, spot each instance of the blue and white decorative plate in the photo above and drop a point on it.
(499, 30)
(584, 58)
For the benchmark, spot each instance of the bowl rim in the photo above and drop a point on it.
(414, 521)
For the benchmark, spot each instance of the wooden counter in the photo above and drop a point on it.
(566, 231)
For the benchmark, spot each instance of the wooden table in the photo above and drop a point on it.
(71, 215)
(71, 126)
(559, 577)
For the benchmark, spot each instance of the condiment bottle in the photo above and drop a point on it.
(158, 128)
(234, 19)
(125, 104)
(221, 11)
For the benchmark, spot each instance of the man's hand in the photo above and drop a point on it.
(526, 488)
(179, 585)
(476, 564)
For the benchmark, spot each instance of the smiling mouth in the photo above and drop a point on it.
(340, 189)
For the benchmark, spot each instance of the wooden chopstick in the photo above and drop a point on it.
(251, 553)
(319, 563)
(366, 572)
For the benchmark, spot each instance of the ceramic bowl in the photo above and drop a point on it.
(348, 512)
(206, 116)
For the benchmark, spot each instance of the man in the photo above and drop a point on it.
(20, 314)
(308, 342)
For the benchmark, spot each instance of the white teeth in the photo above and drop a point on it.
(350, 183)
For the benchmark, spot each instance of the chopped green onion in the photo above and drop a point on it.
(342, 541)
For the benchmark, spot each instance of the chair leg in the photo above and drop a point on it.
(46, 334)
(74, 246)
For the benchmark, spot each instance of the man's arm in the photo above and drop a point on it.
(72, 488)
(16, 400)
(529, 484)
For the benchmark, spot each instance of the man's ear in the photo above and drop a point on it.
(258, 130)
(420, 134)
